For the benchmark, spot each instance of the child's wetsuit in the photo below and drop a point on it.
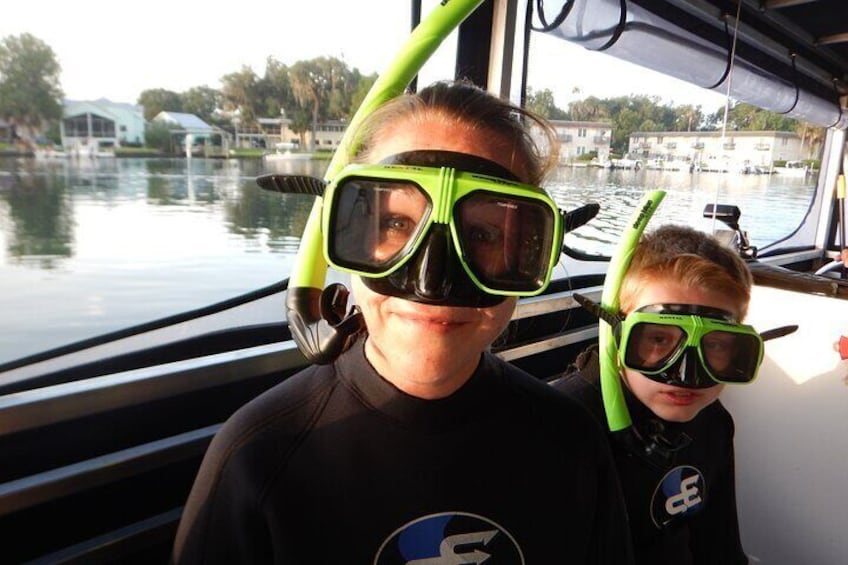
(681, 498)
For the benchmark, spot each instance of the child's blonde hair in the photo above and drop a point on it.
(690, 258)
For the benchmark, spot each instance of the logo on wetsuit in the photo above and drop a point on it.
(450, 538)
(680, 494)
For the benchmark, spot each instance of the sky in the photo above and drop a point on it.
(117, 50)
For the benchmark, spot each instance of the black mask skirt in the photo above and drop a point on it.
(434, 275)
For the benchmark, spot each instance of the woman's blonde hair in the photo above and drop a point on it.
(468, 107)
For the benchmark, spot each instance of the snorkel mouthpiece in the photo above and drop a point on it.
(319, 324)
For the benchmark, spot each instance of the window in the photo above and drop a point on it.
(650, 130)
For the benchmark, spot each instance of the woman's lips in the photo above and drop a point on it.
(434, 322)
(679, 398)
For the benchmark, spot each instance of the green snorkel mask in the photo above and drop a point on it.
(436, 234)
(686, 345)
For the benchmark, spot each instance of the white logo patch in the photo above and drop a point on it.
(449, 538)
(681, 493)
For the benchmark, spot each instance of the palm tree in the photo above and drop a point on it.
(811, 136)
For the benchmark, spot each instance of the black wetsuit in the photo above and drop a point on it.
(337, 466)
(681, 500)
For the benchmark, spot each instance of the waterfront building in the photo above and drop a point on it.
(100, 123)
(195, 136)
(277, 132)
(579, 138)
(735, 151)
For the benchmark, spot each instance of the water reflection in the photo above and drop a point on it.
(39, 218)
(94, 246)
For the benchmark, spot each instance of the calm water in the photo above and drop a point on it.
(87, 248)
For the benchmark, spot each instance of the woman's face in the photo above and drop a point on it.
(672, 403)
(430, 351)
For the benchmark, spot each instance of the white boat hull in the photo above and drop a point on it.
(792, 434)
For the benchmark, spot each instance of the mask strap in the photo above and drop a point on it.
(455, 160)
(595, 309)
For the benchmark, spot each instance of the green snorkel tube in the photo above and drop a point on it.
(618, 417)
(317, 318)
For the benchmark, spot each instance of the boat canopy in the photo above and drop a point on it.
(787, 56)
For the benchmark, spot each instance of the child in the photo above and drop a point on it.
(676, 462)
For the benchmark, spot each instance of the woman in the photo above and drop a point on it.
(416, 445)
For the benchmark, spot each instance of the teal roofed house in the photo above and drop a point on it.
(195, 136)
(101, 123)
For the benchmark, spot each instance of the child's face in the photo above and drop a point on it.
(672, 403)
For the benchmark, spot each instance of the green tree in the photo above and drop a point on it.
(201, 101)
(812, 138)
(649, 125)
(360, 92)
(273, 90)
(30, 91)
(307, 84)
(339, 83)
(301, 123)
(159, 100)
(745, 117)
(688, 118)
(625, 122)
(158, 136)
(240, 94)
(543, 104)
(589, 109)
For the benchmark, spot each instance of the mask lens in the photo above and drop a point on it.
(731, 357)
(374, 223)
(506, 240)
(651, 347)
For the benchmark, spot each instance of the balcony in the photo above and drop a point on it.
(671, 145)
(645, 145)
(762, 147)
(601, 140)
(730, 146)
(565, 137)
(698, 145)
